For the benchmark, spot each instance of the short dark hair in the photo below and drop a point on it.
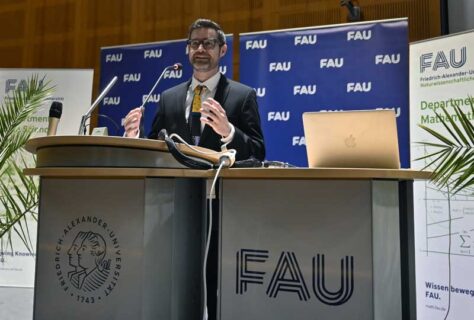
(206, 23)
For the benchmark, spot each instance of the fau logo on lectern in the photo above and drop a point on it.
(288, 278)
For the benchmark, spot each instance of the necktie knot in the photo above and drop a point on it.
(198, 89)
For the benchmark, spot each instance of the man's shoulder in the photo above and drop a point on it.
(238, 85)
(179, 88)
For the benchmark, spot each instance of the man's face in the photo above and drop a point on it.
(203, 56)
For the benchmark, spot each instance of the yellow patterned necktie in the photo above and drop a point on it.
(197, 98)
(195, 115)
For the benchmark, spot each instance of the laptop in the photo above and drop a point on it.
(352, 139)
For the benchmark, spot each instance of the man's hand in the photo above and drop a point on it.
(132, 123)
(214, 116)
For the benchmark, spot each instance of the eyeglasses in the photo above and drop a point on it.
(207, 44)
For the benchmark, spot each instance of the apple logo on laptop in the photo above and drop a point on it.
(350, 142)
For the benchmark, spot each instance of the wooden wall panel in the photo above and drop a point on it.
(69, 33)
(12, 25)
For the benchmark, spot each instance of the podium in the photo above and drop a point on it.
(122, 230)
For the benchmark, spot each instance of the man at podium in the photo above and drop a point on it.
(208, 110)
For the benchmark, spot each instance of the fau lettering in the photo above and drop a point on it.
(223, 69)
(153, 98)
(260, 92)
(280, 66)
(112, 101)
(152, 54)
(255, 44)
(288, 278)
(132, 77)
(309, 90)
(116, 57)
(331, 63)
(441, 61)
(359, 35)
(278, 116)
(173, 74)
(298, 141)
(359, 86)
(387, 58)
(11, 84)
(306, 40)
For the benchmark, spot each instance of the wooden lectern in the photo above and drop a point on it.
(121, 236)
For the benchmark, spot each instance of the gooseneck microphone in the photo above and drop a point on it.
(55, 112)
(82, 126)
(177, 66)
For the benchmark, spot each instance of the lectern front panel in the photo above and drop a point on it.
(296, 249)
(119, 249)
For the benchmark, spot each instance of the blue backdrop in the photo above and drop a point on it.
(137, 68)
(343, 67)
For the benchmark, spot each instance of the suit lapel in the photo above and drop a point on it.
(181, 102)
(221, 95)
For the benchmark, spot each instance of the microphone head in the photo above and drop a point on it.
(177, 66)
(56, 110)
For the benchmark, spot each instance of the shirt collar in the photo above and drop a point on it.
(210, 83)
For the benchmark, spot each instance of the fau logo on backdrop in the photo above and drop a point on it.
(132, 77)
(305, 40)
(280, 66)
(111, 101)
(359, 35)
(302, 90)
(223, 69)
(173, 74)
(298, 141)
(387, 58)
(113, 57)
(331, 63)
(278, 116)
(260, 92)
(441, 61)
(152, 54)
(359, 86)
(153, 98)
(255, 44)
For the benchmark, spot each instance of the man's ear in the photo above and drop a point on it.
(223, 50)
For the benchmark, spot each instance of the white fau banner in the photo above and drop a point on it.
(73, 88)
(441, 74)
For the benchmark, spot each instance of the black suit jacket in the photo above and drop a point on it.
(240, 104)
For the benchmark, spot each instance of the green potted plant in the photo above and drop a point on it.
(451, 157)
(18, 193)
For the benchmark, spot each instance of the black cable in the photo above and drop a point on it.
(444, 16)
(117, 128)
